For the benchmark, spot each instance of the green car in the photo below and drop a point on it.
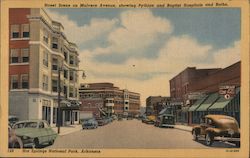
(34, 132)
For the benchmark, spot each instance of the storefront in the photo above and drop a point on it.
(216, 104)
(70, 112)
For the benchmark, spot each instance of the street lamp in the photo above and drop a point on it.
(59, 118)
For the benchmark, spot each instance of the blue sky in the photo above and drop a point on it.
(138, 48)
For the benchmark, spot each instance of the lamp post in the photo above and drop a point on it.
(59, 116)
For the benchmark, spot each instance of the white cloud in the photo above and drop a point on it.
(176, 54)
(80, 34)
(139, 29)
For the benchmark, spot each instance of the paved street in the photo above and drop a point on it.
(130, 134)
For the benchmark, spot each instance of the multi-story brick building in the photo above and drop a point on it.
(104, 97)
(154, 104)
(204, 82)
(38, 49)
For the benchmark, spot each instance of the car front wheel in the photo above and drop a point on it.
(209, 139)
(195, 136)
(36, 143)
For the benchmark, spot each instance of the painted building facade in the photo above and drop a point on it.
(37, 49)
(105, 97)
(205, 82)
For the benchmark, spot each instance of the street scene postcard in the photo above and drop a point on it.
(124, 78)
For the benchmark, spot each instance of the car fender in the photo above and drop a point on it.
(197, 129)
(211, 130)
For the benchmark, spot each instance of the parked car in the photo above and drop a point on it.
(13, 140)
(12, 120)
(34, 132)
(89, 123)
(120, 119)
(217, 128)
(100, 121)
(165, 120)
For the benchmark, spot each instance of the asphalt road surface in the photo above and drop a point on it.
(131, 134)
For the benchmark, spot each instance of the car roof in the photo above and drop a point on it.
(218, 116)
(35, 120)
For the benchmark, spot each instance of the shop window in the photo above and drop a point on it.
(14, 56)
(15, 32)
(54, 114)
(67, 115)
(14, 81)
(45, 58)
(55, 43)
(76, 116)
(25, 30)
(25, 55)
(25, 81)
(54, 64)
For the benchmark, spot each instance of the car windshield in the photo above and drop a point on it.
(31, 125)
(26, 125)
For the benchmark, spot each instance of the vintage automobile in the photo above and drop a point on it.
(34, 132)
(14, 141)
(217, 128)
(100, 121)
(89, 123)
(165, 120)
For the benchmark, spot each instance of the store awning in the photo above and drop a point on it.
(69, 105)
(222, 102)
(197, 103)
(208, 102)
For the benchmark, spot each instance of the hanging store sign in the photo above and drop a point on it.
(227, 89)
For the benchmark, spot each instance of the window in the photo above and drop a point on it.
(15, 31)
(45, 36)
(71, 92)
(25, 55)
(54, 114)
(67, 115)
(14, 56)
(76, 76)
(54, 64)
(71, 59)
(25, 81)
(45, 58)
(54, 85)
(14, 81)
(71, 75)
(76, 116)
(25, 30)
(55, 43)
(65, 90)
(45, 82)
(65, 73)
(65, 56)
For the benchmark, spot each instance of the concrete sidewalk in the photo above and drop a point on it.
(68, 129)
(184, 127)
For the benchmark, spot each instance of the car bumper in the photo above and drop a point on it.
(227, 139)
